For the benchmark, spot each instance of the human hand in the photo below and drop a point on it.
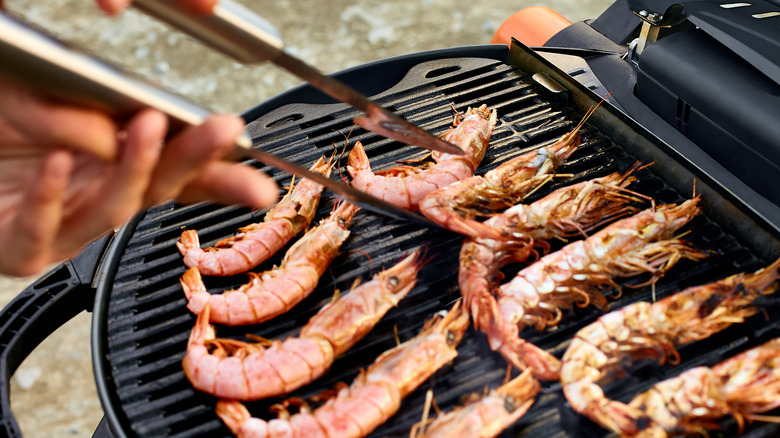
(69, 174)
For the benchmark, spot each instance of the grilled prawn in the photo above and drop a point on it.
(562, 214)
(486, 417)
(255, 243)
(643, 330)
(249, 371)
(456, 206)
(372, 398)
(405, 186)
(272, 293)
(743, 386)
(578, 275)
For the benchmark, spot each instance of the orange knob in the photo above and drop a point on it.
(531, 26)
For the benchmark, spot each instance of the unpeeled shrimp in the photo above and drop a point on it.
(562, 214)
(249, 371)
(255, 243)
(272, 293)
(405, 186)
(456, 206)
(372, 398)
(578, 274)
(743, 386)
(486, 417)
(643, 330)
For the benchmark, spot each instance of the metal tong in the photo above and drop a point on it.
(58, 71)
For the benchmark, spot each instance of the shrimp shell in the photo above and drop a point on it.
(405, 186)
(742, 386)
(563, 213)
(272, 293)
(250, 371)
(372, 398)
(456, 206)
(579, 273)
(643, 330)
(255, 243)
(489, 415)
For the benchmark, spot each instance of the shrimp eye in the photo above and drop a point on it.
(393, 281)
(509, 404)
(450, 337)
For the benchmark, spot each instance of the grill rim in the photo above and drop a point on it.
(109, 267)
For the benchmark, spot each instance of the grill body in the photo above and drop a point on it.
(141, 321)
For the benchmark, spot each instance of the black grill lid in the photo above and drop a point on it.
(141, 323)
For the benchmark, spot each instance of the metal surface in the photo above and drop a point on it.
(240, 33)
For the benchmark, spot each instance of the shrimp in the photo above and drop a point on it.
(643, 330)
(250, 371)
(578, 274)
(489, 415)
(456, 206)
(372, 398)
(255, 243)
(743, 386)
(272, 293)
(405, 186)
(563, 213)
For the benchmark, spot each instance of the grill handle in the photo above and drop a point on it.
(37, 312)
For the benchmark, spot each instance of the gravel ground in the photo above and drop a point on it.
(53, 392)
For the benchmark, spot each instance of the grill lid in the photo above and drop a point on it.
(141, 322)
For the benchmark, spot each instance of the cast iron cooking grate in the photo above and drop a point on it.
(148, 323)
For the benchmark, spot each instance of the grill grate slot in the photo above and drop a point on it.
(148, 323)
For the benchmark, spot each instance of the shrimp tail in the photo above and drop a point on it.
(504, 337)
(234, 414)
(188, 240)
(524, 355)
(358, 160)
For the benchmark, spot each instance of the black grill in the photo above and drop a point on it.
(146, 322)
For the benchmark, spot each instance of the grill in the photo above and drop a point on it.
(141, 323)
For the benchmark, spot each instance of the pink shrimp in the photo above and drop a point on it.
(578, 274)
(255, 243)
(405, 186)
(272, 293)
(743, 386)
(250, 371)
(456, 206)
(644, 330)
(487, 416)
(372, 398)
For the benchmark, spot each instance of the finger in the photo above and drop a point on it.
(29, 240)
(113, 7)
(54, 125)
(231, 183)
(121, 195)
(189, 152)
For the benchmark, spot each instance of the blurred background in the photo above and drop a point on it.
(53, 392)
